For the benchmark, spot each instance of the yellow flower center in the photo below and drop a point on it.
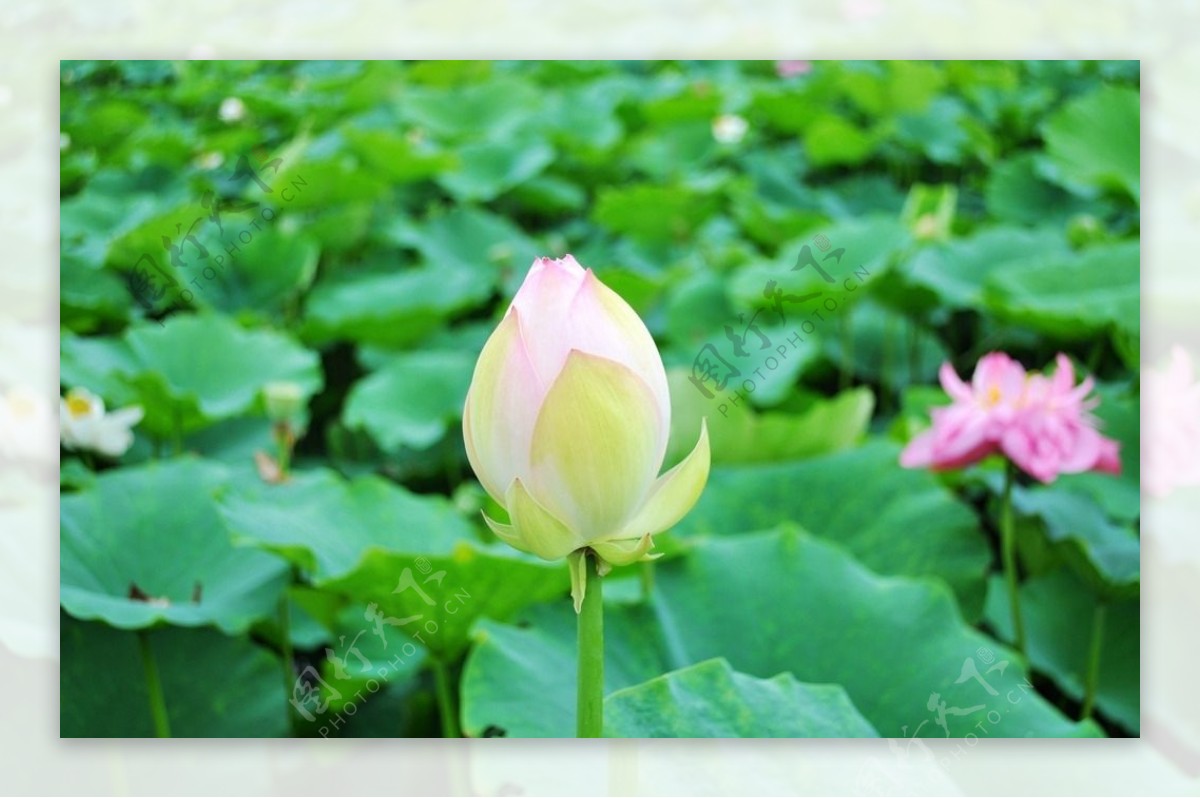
(78, 405)
(992, 397)
(21, 406)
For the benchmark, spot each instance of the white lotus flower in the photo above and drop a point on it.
(232, 109)
(729, 128)
(26, 426)
(86, 425)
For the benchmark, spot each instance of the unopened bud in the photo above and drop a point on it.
(283, 400)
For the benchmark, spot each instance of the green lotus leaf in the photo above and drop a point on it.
(711, 699)
(145, 545)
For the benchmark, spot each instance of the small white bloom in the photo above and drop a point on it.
(26, 426)
(210, 160)
(729, 128)
(232, 109)
(85, 424)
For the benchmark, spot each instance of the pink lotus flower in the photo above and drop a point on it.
(790, 69)
(1054, 432)
(1042, 424)
(1172, 422)
(969, 429)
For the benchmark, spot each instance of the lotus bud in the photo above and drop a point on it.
(283, 401)
(566, 425)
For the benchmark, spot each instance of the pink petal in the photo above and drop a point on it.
(544, 302)
(919, 451)
(1109, 461)
(961, 437)
(1018, 446)
(501, 409)
(964, 458)
(958, 438)
(953, 384)
(1080, 393)
(1064, 375)
(601, 323)
(1180, 367)
(990, 370)
(1084, 453)
(1011, 382)
(564, 307)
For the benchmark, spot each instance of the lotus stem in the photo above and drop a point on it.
(1092, 684)
(646, 571)
(590, 692)
(1008, 555)
(158, 705)
(285, 440)
(177, 431)
(288, 655)
(444, 686)
(846, 377)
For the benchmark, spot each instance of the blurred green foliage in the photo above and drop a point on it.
(357, 228)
